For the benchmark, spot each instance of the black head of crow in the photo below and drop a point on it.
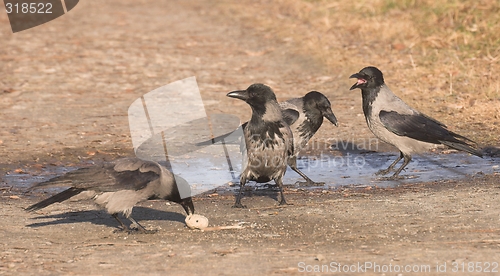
(266, 118)
(305, 116)
(317, 106)
(368, 77)
(370, 81)
(257, 96)
(268, 139)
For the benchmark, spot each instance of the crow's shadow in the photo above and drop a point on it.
(253, 189)
(100, 217)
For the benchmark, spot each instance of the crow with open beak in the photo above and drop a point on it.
(396, 123)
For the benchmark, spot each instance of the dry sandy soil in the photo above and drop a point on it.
(65, 89)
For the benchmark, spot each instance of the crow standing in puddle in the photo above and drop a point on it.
(118, 187)
(396, 123)
(305, 116)
(268, 139)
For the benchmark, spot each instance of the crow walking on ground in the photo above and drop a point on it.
(118, 187)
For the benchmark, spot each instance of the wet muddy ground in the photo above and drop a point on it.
(66, 88)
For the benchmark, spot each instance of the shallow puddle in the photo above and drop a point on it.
(360, 169)
(351, 169)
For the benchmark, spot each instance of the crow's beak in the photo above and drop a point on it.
(361, 80)
(187, 204)
(240, 94)
(356, 76)
(183, 189)
(331, 117)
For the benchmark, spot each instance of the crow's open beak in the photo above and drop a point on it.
(361, 80)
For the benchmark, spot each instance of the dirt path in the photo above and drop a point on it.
(65, 90)
(423, 225)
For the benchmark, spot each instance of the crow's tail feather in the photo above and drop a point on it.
(463, 147)
(60, 197)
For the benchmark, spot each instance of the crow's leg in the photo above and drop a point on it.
(279, 182)
(391, 167)
(292, 162)
(238, 204)
(141, 228)
(407, 160)
(124, 227)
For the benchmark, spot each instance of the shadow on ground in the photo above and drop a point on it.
(99, 217)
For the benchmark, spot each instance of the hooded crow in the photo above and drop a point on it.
(396, 123)
(268, 139)
(118, 187)
(305, 116)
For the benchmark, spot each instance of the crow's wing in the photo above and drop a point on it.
(290, 116)
(133, 174)
(416, 126)
(426, 129)
(423, 128)
(134, 164)
(289, 111)
(125, 174)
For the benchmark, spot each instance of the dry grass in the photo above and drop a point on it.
(439, 55)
